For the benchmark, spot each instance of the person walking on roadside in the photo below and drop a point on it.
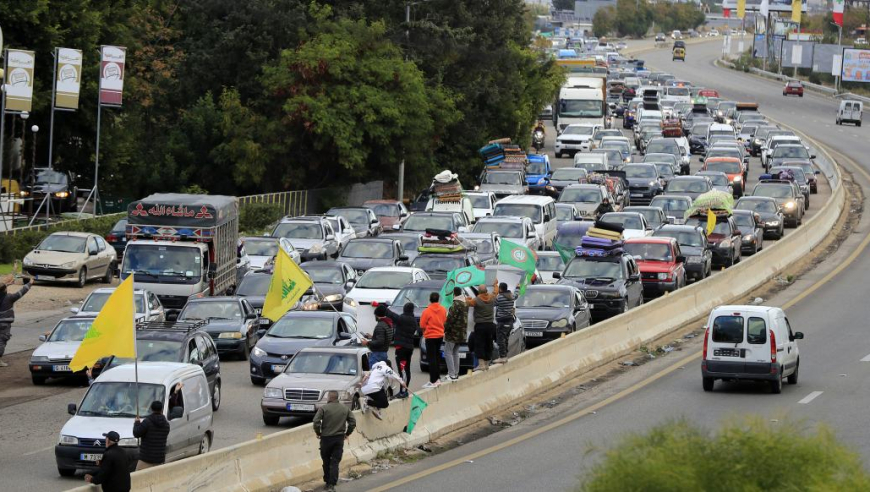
(382, 337)
(406, 331)
(374, 388)
(484, 324)
(455, 329)
(504, 318)
(7, 314)
(333, 424)
(152, 433)
(432, 322)
(114, 471)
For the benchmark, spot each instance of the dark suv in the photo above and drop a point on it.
(610, 284)
(59, 185)
(694, 246)
(788, 197)
(725, 240)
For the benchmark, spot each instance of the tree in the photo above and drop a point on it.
(604, 22)
(743, 455)
(563, 4)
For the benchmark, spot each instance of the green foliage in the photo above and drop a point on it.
(749, 455)
(604, 22)
(194, 189)
(254, 218)
(16, 246)
(563, 4)
(634, 18)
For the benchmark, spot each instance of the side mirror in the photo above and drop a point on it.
(403, 258)
(71, 408)
(634, 278)
(74, 310)
(812, 156)
(251, 316)
(798, 335)
(172, 316)
(681, 259)
(43, 338)
(231, 290)
(344, 336)
(349, 284)
(176, 413)
(462, 229)
(557, 275)
(92, 252)
(212, 270)
(374, 221)
(403, 214)
(817, 172)
(672, 219)
(330, 237)
(397, 227)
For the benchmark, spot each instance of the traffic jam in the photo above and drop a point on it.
(637, 184)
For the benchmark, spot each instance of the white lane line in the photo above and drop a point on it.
(810, 397)
(38, 451)
(866, 358)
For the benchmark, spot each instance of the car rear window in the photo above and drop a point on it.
(756, 331)
(728, 329)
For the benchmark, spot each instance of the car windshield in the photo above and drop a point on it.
(484, 246)
(721, 228)
(154, 260)
(627, 221)
(97, 300)
(578, 130)
(118, 399)
(649, 251)
(573, 108)
(298, 230)
(763, 206)
(518, 210)
(437, 264)
(665, 170)
(368, 249)
(324, 363)
(580, 195)
(353, 215)
(678, 91)
(302, 327)
(155, 351)
(417, 296)
(799, 176)
(684, 238)
(211, 310)
(536, 167)
(620, 146)
(670, 204)
(640, 172)
(550, 263)
(63, 244)
(744, 221)
(717, 179)
(591, 166)
(790, 152)
(384, 209)
(586, 268)
(565, 213)
(773, 190)
(727, 167)
(320, 275)
(688, 186)
(663, 147)
(568, 174)
(50, 178)
(501, 178)
(70, 330)
(544, 298)
(383, 280)
(480, 201)
(255, 285)
(652, 216)
(503, 229)
(420, 223)
(261, 248)
(700, 130)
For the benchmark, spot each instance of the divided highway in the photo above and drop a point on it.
(833, 388)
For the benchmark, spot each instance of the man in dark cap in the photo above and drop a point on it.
(7, 315)
(382, 338)
(114, 472)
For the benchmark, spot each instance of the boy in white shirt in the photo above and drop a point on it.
(374, 386)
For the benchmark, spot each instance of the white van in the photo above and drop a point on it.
(591, 162)
(541, 209)
(850, 112)
(463, 206)
(110, 405)
(750, 343)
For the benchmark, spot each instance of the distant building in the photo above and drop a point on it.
(584, 10)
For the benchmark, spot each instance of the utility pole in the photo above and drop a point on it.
(401, 184)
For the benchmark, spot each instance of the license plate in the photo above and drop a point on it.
(44, 277)
(278, 368)
(462, 355)
(300, 407)
(90, 457)
(61, 369)
(593, 306)
(636, 195)
(534, 333)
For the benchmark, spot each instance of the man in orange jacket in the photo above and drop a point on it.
(432, 323)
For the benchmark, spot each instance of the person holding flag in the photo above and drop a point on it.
(288, 284)
(504, 320)
(519, 256)
(7, 314)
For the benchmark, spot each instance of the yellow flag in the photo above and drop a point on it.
(741, 8)
(288, 284)
(711, 222)
(113, 331)
(796, 12)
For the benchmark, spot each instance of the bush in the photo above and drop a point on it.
(747, 455)
(16, 246)
(254, 218)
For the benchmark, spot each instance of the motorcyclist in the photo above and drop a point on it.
(538, 136)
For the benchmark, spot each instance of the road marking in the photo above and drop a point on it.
(49, 448)
(866, 358)
(810, 397)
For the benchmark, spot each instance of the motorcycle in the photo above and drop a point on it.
(538, 140)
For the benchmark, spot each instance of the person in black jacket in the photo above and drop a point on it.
(407, 328)
(7, 314)
(114, 472)
(382, 337)
(152, 433)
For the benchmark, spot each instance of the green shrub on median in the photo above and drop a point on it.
(255, 218)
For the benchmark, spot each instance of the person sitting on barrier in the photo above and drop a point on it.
(374, 388)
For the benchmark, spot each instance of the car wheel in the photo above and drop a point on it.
(859, 123)
(66, 472)
(110, 270)
(38, 380)
(216, 396)
(558, 155)
(245, 352)
(83, 277)
(271, 419)
(776, 385)
(204, 444)
(708, 383)
(793, 378)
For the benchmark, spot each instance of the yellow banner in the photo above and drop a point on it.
(741, 8)
(796, 11)
(113, 331)
(711, 222)
(289, 283)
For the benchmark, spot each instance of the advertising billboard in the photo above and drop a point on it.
(112, 61)
(773, 5)
(69, 78)
(856, 65)
(19, 79)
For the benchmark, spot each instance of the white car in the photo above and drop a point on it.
(148, 307)
(518, 230)
(575, 138)
(261, 250)
(382, 284)
(482, 202)
(634, 223)
(548, 263)
(51, 359)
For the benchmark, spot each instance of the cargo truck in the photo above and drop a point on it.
(582, 100)
(183, 246)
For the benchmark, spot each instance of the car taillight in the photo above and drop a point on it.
(110, 237)
(772, 349)
(706, 339)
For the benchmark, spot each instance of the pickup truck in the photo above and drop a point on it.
(661, 264)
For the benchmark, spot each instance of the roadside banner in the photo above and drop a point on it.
(839, 7)
(112, 60)
(461, 277)
(796, 6)
(417, 407)
(741, 8)
(19, 80)
(69, 78)
(113, 332)
(289, 283)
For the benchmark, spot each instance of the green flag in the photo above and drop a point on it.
(565, 252)
(417, 407)
(461, 277)
(517, 255)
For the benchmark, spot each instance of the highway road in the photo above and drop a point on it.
(551, 452)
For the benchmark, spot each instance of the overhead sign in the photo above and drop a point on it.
(112, 59)
(69, 78)
(19, 80)
(773, 5)
(856, 65)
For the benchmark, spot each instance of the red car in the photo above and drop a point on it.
(793, 88)
(661, 264)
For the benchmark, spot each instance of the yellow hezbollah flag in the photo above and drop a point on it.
(113, 331)
(741, 8)
(288, 284)
(711, 222)
(796, 11)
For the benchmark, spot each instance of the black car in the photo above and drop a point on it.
(611, 285)
(295, 331)
(178, 341)
(725, 240)
(643, 182)
(547, 312)
(363, 219)
(438, 265)
(332, 280)
(768, 209)
(58, 185)
(565, 176)
(694, 246)
(362, 254)
(230, 321)
(117, 237)
(751, 230)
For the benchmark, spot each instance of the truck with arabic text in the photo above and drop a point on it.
(183, 246)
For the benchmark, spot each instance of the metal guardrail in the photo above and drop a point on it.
(40, 227)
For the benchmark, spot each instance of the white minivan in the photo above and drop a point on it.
(541, 209)
(850, 112)
(750, 343)
(110, 405)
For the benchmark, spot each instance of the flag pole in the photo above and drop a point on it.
(135, 349)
